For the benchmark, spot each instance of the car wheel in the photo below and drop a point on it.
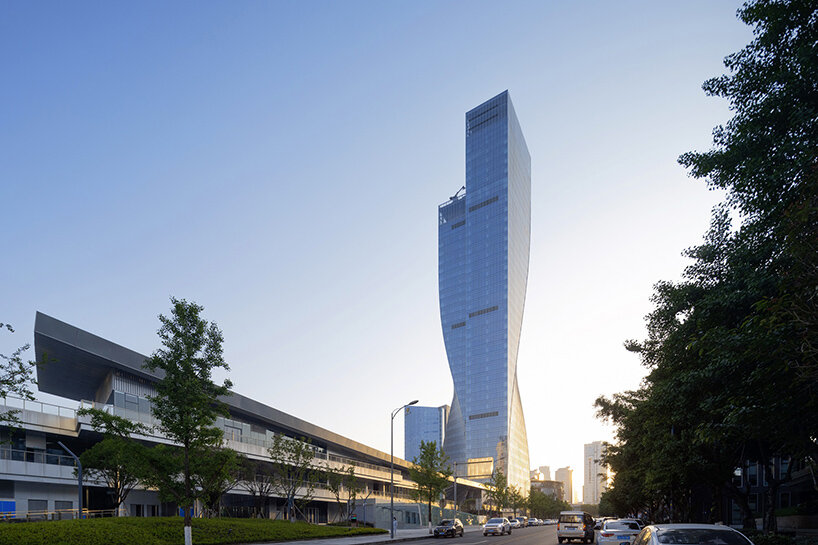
(559, 539)
(485, 534)
(509, 531)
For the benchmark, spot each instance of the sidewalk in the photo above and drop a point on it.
(403, 534)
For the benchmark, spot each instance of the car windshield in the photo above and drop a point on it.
(446, 522)
(621, 525)
(701, 536)
(573, 519)
(495, 521)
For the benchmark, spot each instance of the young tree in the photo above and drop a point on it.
(344, 485)
(215, 474)
(431, 471)
(294, 472)
(187, 400)
(259, 482)
(497, 490)
(15, 378)
(515, 499)
(118, 460)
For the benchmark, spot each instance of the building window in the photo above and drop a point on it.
(483, 415)
(482, 311)
(458, 324)
(484, 203)
(752, 474)
(459, 224)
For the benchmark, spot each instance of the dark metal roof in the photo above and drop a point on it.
(76, 363)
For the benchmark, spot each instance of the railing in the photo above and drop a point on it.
(55, 416)
(58, 514)
(17, 455)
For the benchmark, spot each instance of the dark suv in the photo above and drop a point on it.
(449, 527)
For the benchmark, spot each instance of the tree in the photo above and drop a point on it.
(515, 499)
(258, 481)
(294, 472)
(497, 490)
(187, 400)
(214, 475)
(431, 471)
(544, 506)
(344, 485)
(15, 378)
(118, 460)
(742, 325)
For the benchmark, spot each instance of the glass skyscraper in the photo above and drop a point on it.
(483, 247)
(422, 424)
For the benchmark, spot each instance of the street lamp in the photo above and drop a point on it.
(392, 468)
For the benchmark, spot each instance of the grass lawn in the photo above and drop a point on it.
(165, 531)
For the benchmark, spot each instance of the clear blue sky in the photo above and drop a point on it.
(281, 164)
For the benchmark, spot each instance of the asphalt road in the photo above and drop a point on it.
(533, 535)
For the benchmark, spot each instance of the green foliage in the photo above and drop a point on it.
(117, 460)
(516, 500)
(16, 377)
(187, 400)
(742, 325)
(166, 531)
(345, 486)
(215, 474)
(431, 471)
(294, 473)
(545, 506)
(497, 490)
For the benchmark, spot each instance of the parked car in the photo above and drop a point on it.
(523, 521)
(615, 532)
(449, 527)
(577, 525)
(515, 523)
(497, 526)
(533, 521)
(690, 534)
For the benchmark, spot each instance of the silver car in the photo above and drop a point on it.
(617, 531)
(497, 526)
(690, 534)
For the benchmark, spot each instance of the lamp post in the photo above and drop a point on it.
(392, 468)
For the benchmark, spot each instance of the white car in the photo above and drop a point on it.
(618, 531)
(497, 526)
(690, 534)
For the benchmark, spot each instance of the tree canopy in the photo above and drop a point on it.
(431, 471)
(187, 400)
(741, 325)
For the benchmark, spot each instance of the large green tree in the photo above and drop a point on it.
(741, 326)
(118, 460)
(431, 471)
(187, 399)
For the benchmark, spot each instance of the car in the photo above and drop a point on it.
(533, 521)
(617, 531)
(497, 526)
(692, 534)
(577, 525)
(449, 527)
(515, 523)
(523, 521)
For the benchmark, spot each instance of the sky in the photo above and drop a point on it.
(281, 164)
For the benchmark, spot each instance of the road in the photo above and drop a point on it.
(533, 535)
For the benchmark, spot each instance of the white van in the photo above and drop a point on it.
(577, 525)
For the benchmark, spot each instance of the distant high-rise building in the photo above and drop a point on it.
(546, 472)
(565, 476)
(596, 474)
(422, 424)
(483, 236)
